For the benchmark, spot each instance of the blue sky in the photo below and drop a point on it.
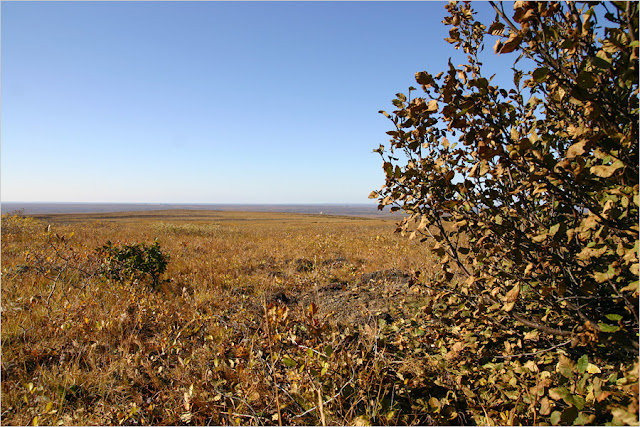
(207, 102)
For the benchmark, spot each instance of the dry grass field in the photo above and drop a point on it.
(259, 318)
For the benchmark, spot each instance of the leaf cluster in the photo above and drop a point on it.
(529, 194)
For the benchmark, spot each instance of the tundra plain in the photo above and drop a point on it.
(259, 318)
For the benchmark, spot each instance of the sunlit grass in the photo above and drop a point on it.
(78, 348)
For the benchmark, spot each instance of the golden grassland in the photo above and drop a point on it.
(261, 318)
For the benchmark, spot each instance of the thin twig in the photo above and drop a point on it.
(321, 406)
(277, 385)
(535, 352)
(531, 324)
(232, 397)
(624, 298)
(55, 282)
(308, 348)
(326, 401)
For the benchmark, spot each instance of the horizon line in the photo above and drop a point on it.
(191, 203)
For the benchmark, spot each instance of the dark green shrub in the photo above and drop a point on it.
(137, 261)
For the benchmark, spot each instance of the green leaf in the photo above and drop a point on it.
(328, 350)
(586, 80)
(555, 417)
(577, 401)
(540, 74)
(605, 327)
(583, 363)
(558, 393)
(601, 63)
(289, 362)
(614, 317)
(632, 287)
(601, 277)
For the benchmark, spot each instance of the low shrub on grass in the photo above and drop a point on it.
(137, 261)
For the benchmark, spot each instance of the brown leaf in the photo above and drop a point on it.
(497, 46)
(424, 78)
(512, 43)
(545, 406)
(496, 29)
(576, 149)
(511, 298)
(606, 171)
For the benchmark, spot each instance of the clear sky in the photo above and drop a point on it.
(207, 102)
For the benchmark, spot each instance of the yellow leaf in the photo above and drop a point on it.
(539, 238)
(588, 253)
(313, 309)
(185, 417)
(435, 404)
(593, 369)
(632, 287)
(531, 365)
(362, 420)
(508, 306)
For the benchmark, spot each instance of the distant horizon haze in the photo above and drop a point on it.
(345, 209)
